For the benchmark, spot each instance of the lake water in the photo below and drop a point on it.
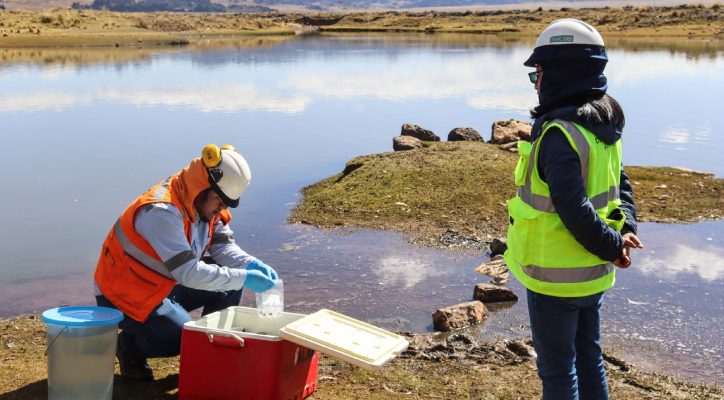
(84, 132)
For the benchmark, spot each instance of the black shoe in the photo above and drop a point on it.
(134, 368)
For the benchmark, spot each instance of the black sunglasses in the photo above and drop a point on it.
(533, 76)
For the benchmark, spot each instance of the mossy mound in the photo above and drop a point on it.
(463, 186)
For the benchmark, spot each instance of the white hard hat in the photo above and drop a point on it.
(229, 174)
(565, 32)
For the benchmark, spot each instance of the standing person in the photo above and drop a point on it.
(151, 265)
(573, 217)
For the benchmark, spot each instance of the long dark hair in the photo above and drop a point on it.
(600, 111)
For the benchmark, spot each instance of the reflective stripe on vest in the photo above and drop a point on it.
(133, 251)
(542, 254)
(545, 203)
(161, 190)
(568, 275)
(163, 268)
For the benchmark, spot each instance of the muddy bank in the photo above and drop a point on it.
(443, 366)
(65, 27)
(453, 194)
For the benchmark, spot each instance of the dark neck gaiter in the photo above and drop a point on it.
(572, 83)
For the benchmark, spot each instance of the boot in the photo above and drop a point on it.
(133, 367)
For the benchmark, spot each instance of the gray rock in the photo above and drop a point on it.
(459, 316)
(400, 143)
(510, 131)
(420, 133)
(498, 246)
(489, 293)
(464, 134)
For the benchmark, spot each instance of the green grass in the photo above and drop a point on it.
(463, 186)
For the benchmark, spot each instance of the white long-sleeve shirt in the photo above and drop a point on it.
(162, 226)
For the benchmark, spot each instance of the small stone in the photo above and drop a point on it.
(400, 143)
(521, 349)
(464, 134)
(489, 293)
(495, 268)
(498, 246)
(662, 186)
(459, 316)
(510, 131)
(418, 132)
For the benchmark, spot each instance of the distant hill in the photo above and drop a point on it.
(154, 5)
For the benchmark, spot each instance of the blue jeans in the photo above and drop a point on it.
(160, 334)
(567, 337)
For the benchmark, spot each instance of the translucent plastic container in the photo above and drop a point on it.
(81, 350)
(270, 304)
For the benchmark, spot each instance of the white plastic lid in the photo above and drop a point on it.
(345, 338)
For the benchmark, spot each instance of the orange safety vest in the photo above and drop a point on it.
(129, 273)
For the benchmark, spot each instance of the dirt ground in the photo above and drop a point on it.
(435, 366)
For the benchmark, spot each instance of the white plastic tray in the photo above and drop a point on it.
(345, 338)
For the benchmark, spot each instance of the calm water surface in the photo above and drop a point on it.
(84, 133)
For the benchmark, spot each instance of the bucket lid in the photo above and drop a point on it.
(345, 338)
(82, 316)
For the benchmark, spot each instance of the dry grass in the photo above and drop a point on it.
(64, 27)
(495, 375)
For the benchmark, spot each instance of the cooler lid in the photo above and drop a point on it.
(82, 316)
(345, 338)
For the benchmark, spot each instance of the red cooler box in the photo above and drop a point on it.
(235, 354)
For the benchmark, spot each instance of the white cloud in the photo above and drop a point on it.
(224, 98)
(451, 75)
(394, 271)
(506, 101)
(632, 68)
(675, 136)
(705, 261)
(41, 101)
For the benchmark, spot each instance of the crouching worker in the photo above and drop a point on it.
(151, 265)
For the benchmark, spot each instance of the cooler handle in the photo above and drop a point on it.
(239, 339)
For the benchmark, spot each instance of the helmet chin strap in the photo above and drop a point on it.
(227, 200)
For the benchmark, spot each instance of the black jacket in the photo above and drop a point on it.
(560, 168)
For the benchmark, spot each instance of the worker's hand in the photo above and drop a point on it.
(623, 261)
(257, 265)
(258, 281)
(631, 241)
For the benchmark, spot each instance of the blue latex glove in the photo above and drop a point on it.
(257, 265)
(257, 281)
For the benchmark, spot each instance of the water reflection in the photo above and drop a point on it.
(298, 110)
(396, 271)
(42, 101)
(705, 261)
(211, 98)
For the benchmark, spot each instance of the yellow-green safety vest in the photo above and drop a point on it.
(542, 253)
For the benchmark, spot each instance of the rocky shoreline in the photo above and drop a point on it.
(435, 366)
